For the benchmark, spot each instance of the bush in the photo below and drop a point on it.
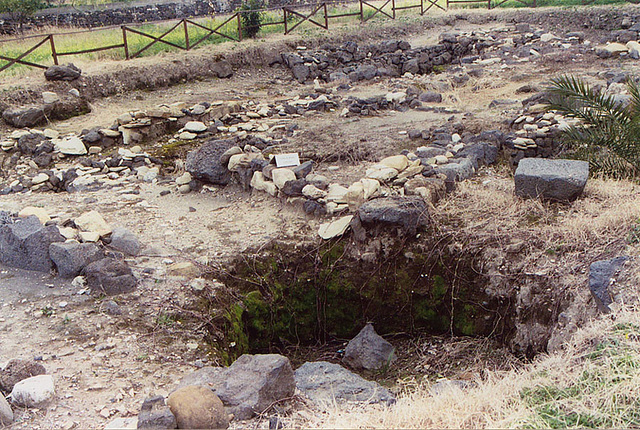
(251, 18)
(20, 10)
(608, 135)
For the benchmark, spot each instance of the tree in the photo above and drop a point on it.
(608, 135)
(20, 10)
(251, 17)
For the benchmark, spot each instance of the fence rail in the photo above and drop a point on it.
(319, 16)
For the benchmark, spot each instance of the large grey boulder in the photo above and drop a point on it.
(600, 274)
(458, 170)
(254, 382)
(71, 257)
(28, 116)
(156, 415)
(125, 241)
(109, 276)
(205, 162)
(68, 72)
(368, 350)
(249, 385)
(407, 212)
(561, 180)
(208, 376)
(25, 244)
(323, 383)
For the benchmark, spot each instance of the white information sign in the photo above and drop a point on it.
(287, 160)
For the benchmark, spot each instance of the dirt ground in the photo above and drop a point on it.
(105, 365)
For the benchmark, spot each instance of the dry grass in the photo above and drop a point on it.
(594, 379)
(593, 383)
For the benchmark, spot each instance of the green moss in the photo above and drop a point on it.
(295, 296)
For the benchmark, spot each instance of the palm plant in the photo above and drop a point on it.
(608, 135)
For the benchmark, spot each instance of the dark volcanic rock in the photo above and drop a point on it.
(368, 350)
(205, 162)
(25, 244)
(71, 257)
(109, 276)
(408, 212)
(324, 382)
(62, 73)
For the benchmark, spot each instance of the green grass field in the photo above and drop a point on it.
(85, 40)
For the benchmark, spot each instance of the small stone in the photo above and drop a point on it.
(49, 97)
(197, 407)
(89, 236)
(33, 392)
(281, 176)
(184, 179)
(155, 415)
(125, 241)
(72, 145)
(195, 127)
(398, 162)
(41, 213)
(368, 351)
(186, 135)
(335, 228)
(40, 178)
(93, 222)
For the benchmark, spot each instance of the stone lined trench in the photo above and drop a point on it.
(307, 294)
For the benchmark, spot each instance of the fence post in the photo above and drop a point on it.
(124, 42)
(284, 19)
(186, 34)
(54, 54)
(326, 16)
(393, 8)
(362, 11)
(239, 27)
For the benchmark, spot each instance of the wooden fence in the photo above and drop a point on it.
(319, 15)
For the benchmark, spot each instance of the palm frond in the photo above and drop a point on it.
(573, 97)
(609, 133)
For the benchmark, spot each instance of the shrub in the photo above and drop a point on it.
(20, 10)
(252, 17)
(608, 135)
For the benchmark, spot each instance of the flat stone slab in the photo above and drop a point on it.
(560, 180)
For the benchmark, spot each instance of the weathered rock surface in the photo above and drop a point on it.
(600, 274)
(368, 350)
(323, 383)
(67, 72)
(33, 392)
(125, 241)
(25, 244)
(17, 370)
(253, 382)
(408, 212)
(208, 376)
(156, 415)
(71, 257)
(29, 116)
(109, 276)
(197, 407)
(561, 180)
(206, 165)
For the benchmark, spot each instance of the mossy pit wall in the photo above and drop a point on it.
(316, 293)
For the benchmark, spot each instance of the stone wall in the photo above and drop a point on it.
(127, 13)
